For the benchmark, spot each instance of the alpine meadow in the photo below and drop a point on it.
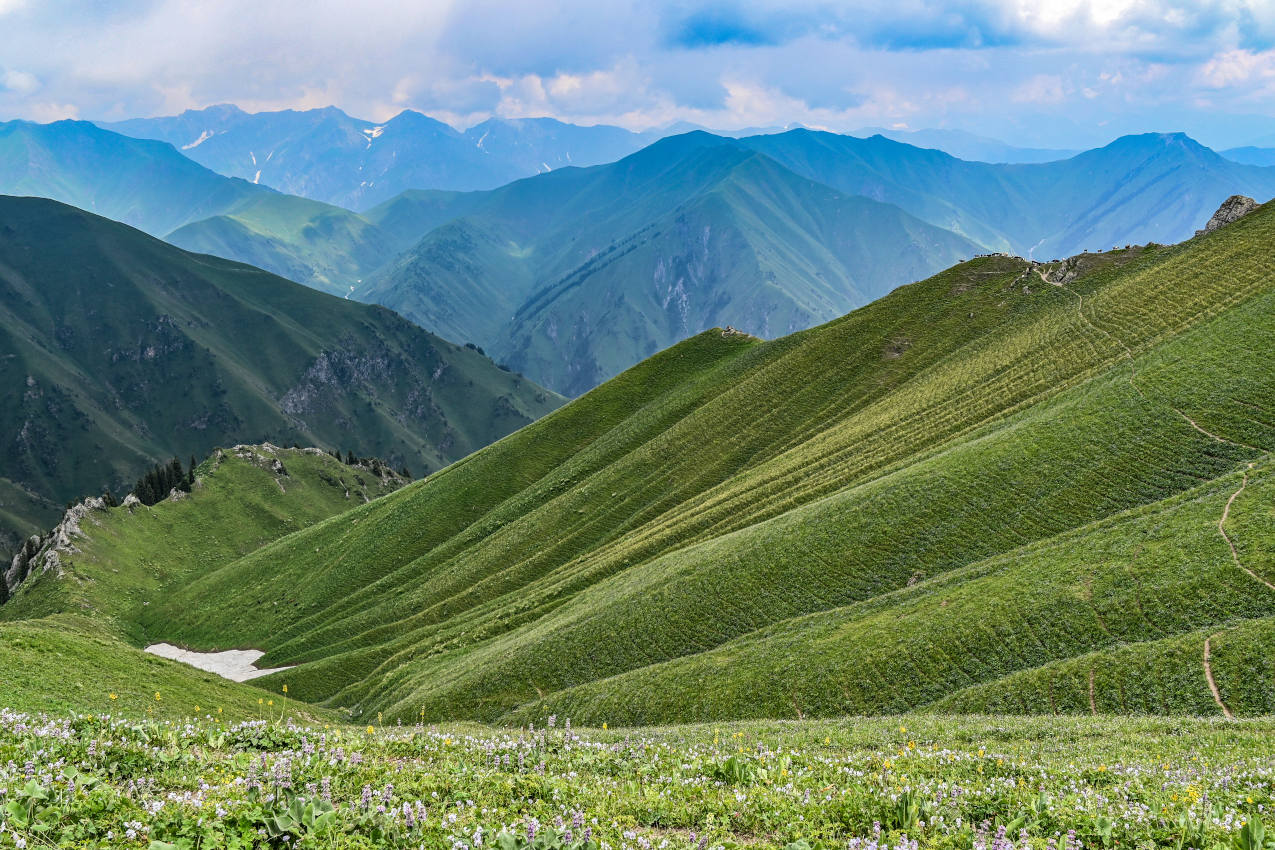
(610, 426)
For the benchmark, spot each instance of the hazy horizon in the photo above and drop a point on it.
(1055, 74)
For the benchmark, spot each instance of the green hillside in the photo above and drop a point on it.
(322, 246)
(985, 477)
(72, 664)
(108, 562)
(119, 350)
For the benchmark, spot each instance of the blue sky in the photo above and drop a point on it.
(1054, 73)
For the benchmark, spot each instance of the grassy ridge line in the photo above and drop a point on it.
(72, 663)
(128, 557)
(675, 450)
(1234, 346)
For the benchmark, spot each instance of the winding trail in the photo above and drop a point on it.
(1208, 675)
(1221, 527)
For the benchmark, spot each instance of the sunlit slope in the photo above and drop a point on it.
(963, 419)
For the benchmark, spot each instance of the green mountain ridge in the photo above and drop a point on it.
(1006, 476)
(120, 350)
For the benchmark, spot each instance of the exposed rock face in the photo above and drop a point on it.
(46, 553)
(1233, 209)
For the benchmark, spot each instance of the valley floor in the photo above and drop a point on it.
(892, 783)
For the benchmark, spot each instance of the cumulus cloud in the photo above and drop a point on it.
(1061, 72)
(19, 82)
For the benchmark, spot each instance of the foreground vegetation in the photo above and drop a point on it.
(907, 782)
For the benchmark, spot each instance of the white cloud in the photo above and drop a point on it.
(19, 82)
(1074, 65)
(1238, 67)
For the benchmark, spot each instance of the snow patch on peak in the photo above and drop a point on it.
(203, 137)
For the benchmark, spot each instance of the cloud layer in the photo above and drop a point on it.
(1058, 73)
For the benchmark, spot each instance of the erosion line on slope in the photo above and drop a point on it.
(1208, 675)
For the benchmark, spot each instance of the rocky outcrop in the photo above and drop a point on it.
(1233, 209)
(45, 554)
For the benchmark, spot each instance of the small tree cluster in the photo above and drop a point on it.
(162, 479)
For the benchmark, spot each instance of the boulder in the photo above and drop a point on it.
(1233, 209)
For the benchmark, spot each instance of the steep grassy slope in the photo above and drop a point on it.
(979, 475)
(120, 350)
(146, 184)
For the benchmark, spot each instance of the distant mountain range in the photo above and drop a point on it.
(118, 350)
(550, 272)
(1251, 155)
(969, 146)
(326, 155)
(573, 275)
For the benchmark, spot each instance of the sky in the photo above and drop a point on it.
(1053, 73)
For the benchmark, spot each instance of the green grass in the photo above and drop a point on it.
(98, 781)
(73, 664)
(976, 477)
